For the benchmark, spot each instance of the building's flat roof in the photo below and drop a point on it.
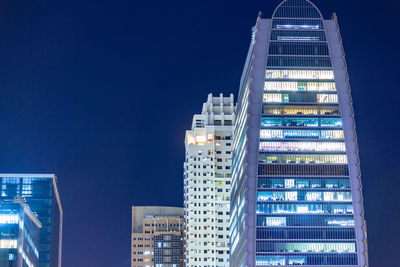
(30, 175)
(141, 212)
(37, 175)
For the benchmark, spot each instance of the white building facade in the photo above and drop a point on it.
(207, 183)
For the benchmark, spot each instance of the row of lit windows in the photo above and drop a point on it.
(8, 243)
(327, 260)
(296, 97)
(302, 159)
(313, 247)
(207, 244)
(205, 220)
(38, 188)
(305, 220)
(294, 23)
(297, 35)
(269, 109)
(202, 140)
(303, 182)
(141, 245)
(299, 86)
(305, 233)
(211, 259)
(310, 134)
(300, 74)
(211, 173)
(220, 252)
(204, 228)
(9, 218)
(290, 208)
(25, 180)
(303, 196)
(160, 224)
(301, 122)
(207, 182)
(168, 244)
(206, 236)
(302, 146)
(147, 252)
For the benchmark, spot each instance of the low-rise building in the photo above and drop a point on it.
(157, 236)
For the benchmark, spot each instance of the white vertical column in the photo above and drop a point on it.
(346, 108)
(258, 67)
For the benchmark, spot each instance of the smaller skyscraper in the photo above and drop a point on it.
(157, 236)
(207, 183)
(19, 235)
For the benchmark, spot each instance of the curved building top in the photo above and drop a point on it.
(297, 9)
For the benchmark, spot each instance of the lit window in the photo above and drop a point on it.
(291, 196)
(299, 86)
(8, 243)
(313, 196)
(8, 218)
(300, 74)
(289, 183)
(297, 27)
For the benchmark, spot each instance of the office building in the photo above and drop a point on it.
(19, 235)
(41, 195)
(207, 183)
(157, 236)
(296, 186)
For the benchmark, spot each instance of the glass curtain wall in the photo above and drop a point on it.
(296, 184)
(304, 201)
(41, 194)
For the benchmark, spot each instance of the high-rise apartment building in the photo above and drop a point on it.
(157, 236)
(19, 235)
(296, 186)
(207, 183)
(40, 193)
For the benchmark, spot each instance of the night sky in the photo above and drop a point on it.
(101, 93)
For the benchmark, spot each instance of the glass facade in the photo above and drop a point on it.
(41, 194)
(19, 235)
(296, 190)
(168, 250)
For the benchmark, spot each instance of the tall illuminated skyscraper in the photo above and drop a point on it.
(296, 187)
(207, 183)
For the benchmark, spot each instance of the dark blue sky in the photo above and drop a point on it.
(101, 93)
